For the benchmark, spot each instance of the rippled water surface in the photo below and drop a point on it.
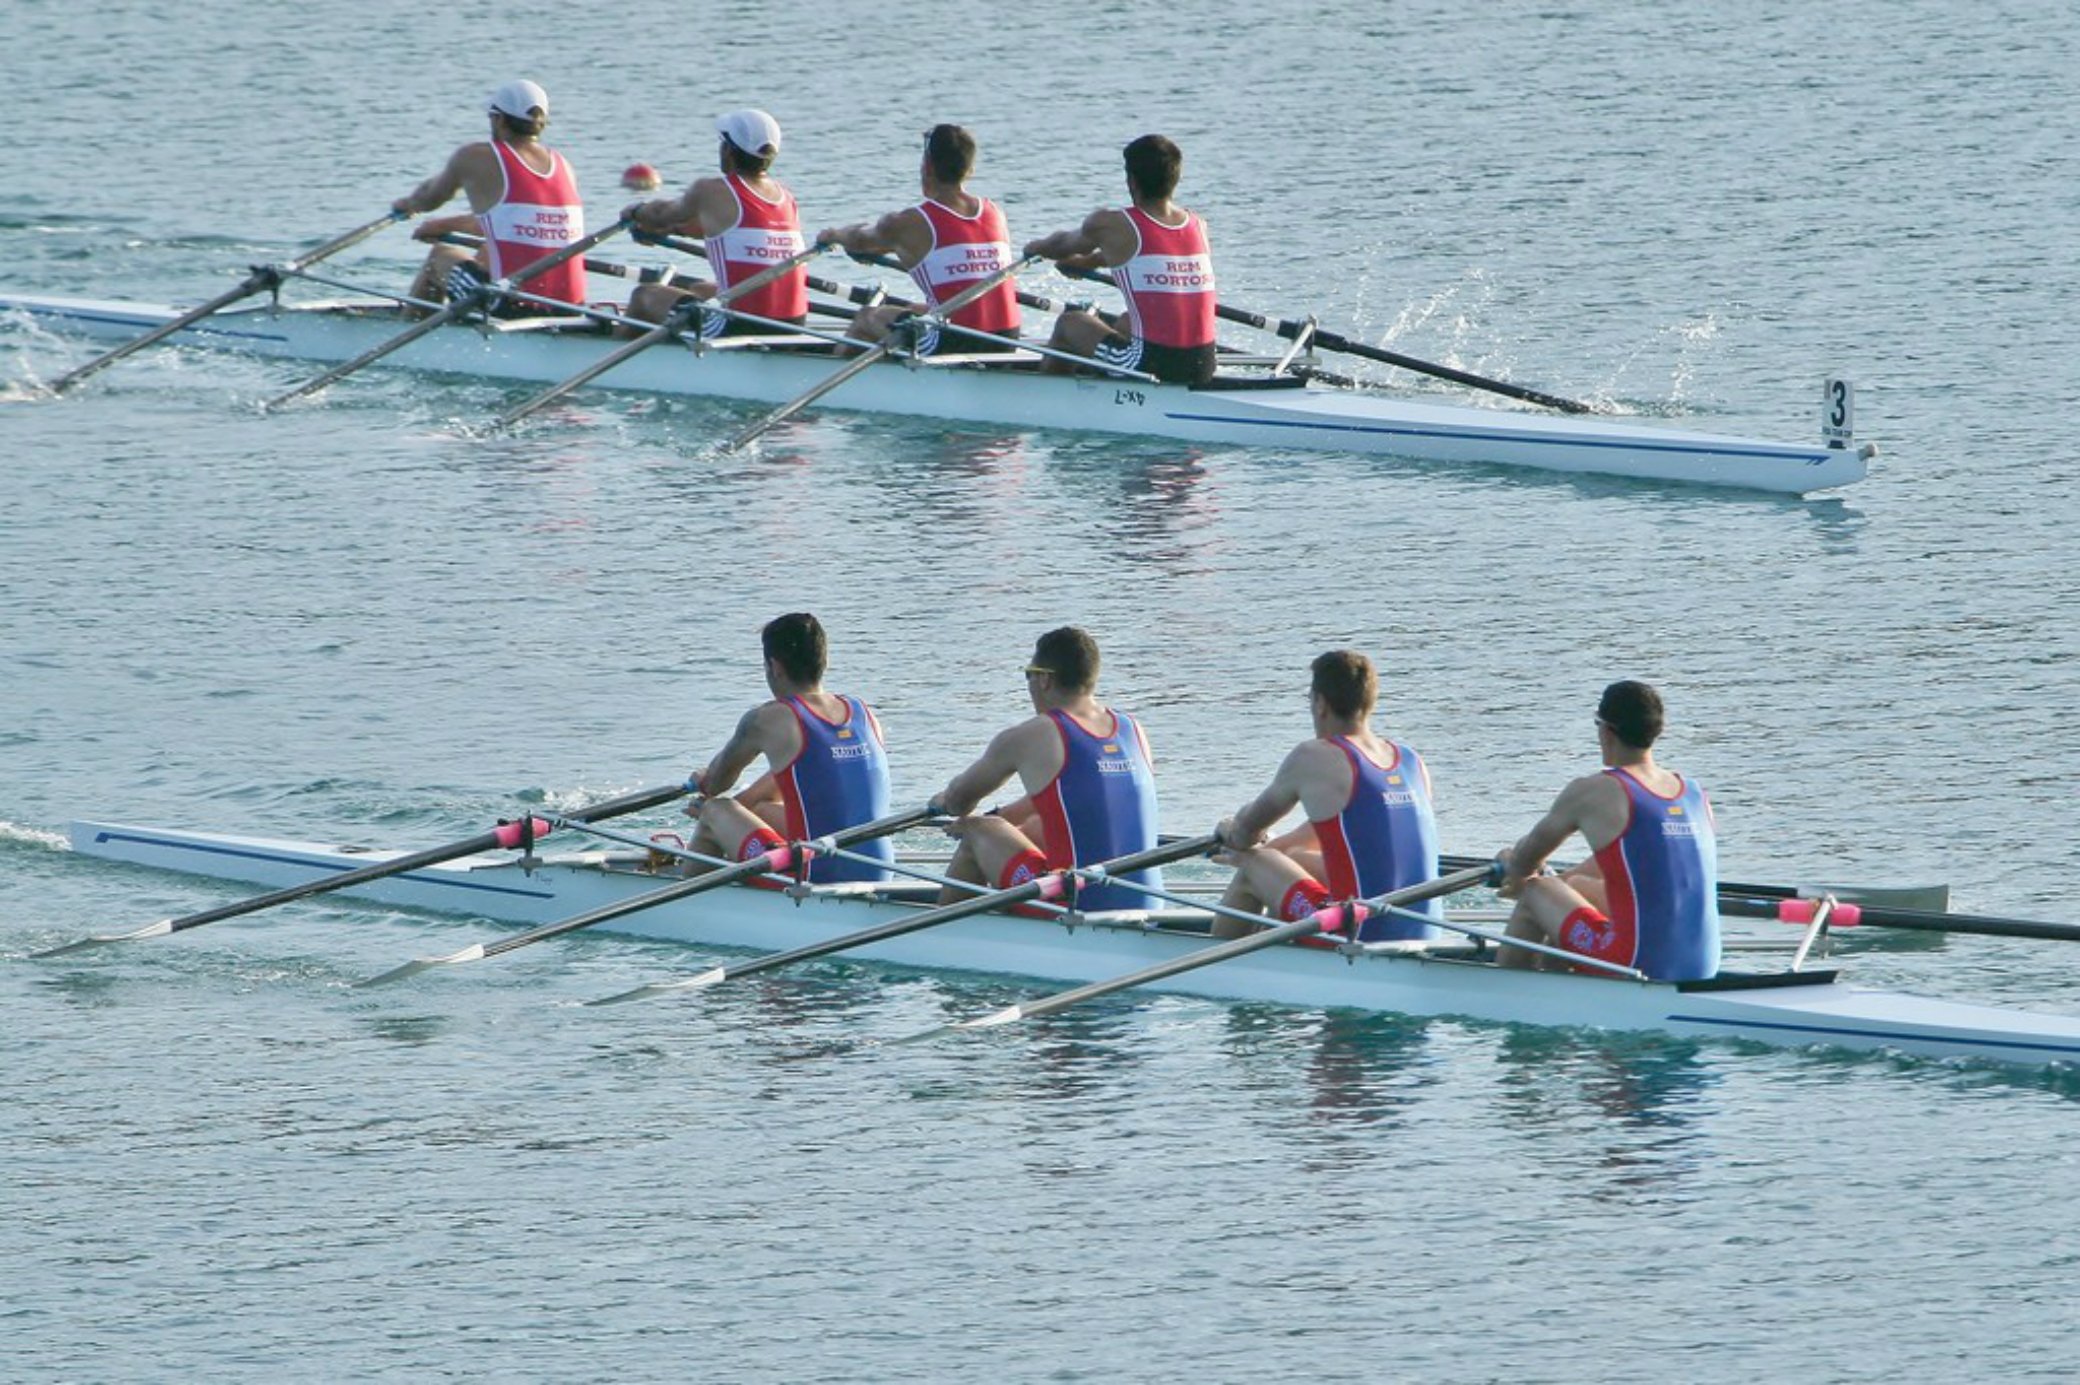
(363, 620)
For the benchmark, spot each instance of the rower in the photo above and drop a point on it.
(1650, 897)
(1086, 770)
(949, 240)
(1163, 269)
(523, 201)
(827, 768)
(749, 220)
(1370, 828)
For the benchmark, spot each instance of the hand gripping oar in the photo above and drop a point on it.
(780, 858)
(673, 325)
(1332, 341)
(262, 277)
(505, 835)
(1326, 920)
(870, 356)
(446, 315)
(1049, 886)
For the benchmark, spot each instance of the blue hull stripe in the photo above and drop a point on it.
(1891, 1035)
(1489, 435)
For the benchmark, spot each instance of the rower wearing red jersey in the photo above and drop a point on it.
(1370, 827)
(1090, 787)
(1650, 900)
(948, 241)
(523, 200)
(1158, 253)
(828, 768)
(749, 220)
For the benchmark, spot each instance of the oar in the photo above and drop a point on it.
(505, 835)
(870, 356)
(780, 858)
(446, 315)
(263, 276)
(1846, 915)
(672, 326)
(1048, 886)
(1745, 900)
(1326, 920)
(1293, 331)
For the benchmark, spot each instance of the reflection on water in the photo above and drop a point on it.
(1636, 1100)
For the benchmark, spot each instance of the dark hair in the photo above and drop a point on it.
(1633, 712)
(950, 151)
(1154, 163)
(1071, 655)
(1344, 679)
(735, 160)
(796, 641)
(522, 126)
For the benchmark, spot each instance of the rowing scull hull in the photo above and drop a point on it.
(1785, 1012)
(1311, 418)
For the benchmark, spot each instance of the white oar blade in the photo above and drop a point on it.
(658, 988)
(1010, 1014)
(150, 930)
(473, 953)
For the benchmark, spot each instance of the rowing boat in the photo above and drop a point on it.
(1261, 410)
(1785, 1009)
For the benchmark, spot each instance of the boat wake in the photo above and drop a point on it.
(15, 834)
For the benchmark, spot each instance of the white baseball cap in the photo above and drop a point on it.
(754, 132)
(519, 100)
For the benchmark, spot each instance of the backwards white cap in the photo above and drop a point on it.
(754, 132)
(519, 100)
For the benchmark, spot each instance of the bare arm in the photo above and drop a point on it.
(666, 215)
(1104, 238)
(752, 738)
(464, 166)
(1258, 816)
(894, 234)
(998, 763)
(1576, 803)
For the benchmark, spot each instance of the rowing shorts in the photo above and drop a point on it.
(758, 841)
(1177, 365)
(1026, 866)
(1589, 931)
(1306, 897)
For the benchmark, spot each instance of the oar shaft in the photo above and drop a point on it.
(259, 279)
(1912, 920)
(1255, 942)
(746, 870)
(443, 317)
(967, 908)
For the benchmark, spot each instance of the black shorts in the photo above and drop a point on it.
(1176, 365)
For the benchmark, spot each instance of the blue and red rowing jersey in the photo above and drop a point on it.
(1100, 807)
(1662, 878)
(839, 779)
(1385, 838)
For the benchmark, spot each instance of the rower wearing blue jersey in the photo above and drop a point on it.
(1089, 782)
(1370, 828)
(828, 768)
(1650, 898)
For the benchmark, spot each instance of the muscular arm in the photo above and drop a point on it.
(700, 209)
(1004, 757)
(467, 168)
(758, 732)
(1583, 806)
(896, 234)
(1105, 238)
(1261, 814)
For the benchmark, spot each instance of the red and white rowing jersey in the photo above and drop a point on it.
(537, 214)
(1168, 283)
(765, 234)
(965, 250)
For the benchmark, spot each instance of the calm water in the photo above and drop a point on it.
(357, 620)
